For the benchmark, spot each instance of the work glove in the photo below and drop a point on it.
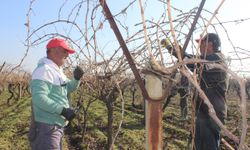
(168, 45)
(78, 73)
(68, 113)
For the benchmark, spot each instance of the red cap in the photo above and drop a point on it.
(56, 42)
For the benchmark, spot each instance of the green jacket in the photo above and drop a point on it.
(50, 88)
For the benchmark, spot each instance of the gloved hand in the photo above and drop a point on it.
(78, 73)
(68, 113)
(167, 44)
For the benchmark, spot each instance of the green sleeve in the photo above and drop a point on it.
(40, 97)
(72, 85)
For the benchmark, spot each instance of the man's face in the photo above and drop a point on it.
(206, 48)
(59, 55)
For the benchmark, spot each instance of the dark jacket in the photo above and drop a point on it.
(213, 82)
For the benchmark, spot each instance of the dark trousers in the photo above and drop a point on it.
(207, 133)
(44, 136)
(184, 103)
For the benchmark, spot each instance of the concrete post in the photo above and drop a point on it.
(153, 113)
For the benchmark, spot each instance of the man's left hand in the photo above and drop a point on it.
(78, 73)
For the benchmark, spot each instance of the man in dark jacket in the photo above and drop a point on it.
(213, 81)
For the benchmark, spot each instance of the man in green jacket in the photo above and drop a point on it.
(50, 87)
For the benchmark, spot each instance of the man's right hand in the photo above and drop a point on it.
(168, 45)
(68, 113)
